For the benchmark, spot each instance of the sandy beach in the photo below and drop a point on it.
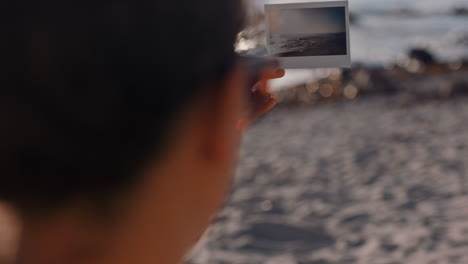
(321, 45)
(367, 181)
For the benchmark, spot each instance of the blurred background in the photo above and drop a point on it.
(362, 165)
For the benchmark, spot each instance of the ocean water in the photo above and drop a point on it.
(384, 31)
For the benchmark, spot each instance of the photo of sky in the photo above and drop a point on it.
(307, 20)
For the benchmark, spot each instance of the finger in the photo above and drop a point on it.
(265, 108)
(268, 75)
(263, 87)
(245, 122)
(268, 106)
(273, 73)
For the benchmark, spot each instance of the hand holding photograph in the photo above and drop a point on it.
(308, 34)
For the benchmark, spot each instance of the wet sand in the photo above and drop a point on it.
(323, 45)
(366, 181)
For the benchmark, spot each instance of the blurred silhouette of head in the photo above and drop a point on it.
(117, 138)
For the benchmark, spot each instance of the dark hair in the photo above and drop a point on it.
(89, 90)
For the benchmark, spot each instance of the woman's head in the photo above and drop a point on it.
(118, 104)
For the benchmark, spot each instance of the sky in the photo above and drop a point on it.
(307, 20)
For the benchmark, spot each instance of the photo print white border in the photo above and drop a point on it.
(307, 62)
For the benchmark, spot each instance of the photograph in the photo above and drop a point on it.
(308, 31)
(305, 30)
